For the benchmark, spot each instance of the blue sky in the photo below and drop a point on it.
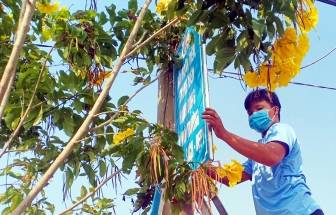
(310, 111)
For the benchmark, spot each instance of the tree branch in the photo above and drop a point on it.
(128, 100)
(140, 40)
(85, 126)
(151, 37)
(90, 194)
(15, 133)
(96, 135)
(115, 112)
(7, 79)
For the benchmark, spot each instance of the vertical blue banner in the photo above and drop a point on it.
(191, 98)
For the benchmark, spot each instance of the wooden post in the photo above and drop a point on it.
(166, 118)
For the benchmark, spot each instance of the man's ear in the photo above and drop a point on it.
(276, 111)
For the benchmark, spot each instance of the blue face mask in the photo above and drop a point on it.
(260, 120)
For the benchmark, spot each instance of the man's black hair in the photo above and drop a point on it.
(262, 95)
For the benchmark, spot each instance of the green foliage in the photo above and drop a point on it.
(231, 25)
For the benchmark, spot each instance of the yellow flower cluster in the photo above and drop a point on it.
(307, 16)
(48, 9)
(233, 172)
(122, 135)
(287, 54)
(162, 6)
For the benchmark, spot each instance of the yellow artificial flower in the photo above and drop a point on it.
(285, 46)
(122, 135)
(64, 8)
(290, 35)
(119, 137)
(162, 6)
(234, 172)
(48, 9)
(302, 46)
(251, 79)
(308, 18)
(129, 132)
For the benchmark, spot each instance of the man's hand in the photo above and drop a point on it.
(211, 117)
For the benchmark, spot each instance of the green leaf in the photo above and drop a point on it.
(16, 200)
(178, 153)
(258, 27)
(242, 41)
(194, 17)
(33, 114)
(141, 128)
(111, 11)
(109, 137)
(180, 189)
(39, 117)
(147, 80)
(15, 123)
(83, 191)
(264, 46)
(131, 191)
(224, 58)
(100, 144)
(66, 53)
(77, 169)
(128, 162)
(271, 31)
(244, 61)
(69, 178)
(220, 20)
(90, 173)
(123, 14)
(133, 6)
(102, 168)
(288, 11)
(122, 100)
(50, 207)
(56, 116)
(102, 19)
(213, 45)
(92, 156)
(68, 126)
(279, 26)
(6, 211)
(77, 105)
